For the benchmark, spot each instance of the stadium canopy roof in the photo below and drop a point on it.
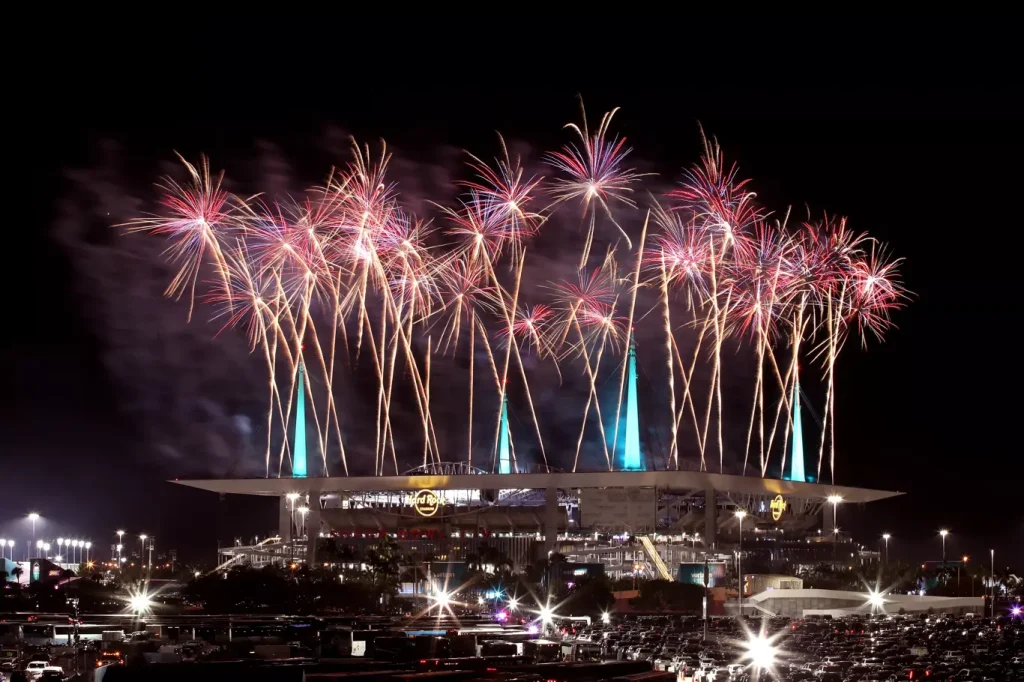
(663, 480)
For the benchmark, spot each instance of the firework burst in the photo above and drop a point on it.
(346, 271)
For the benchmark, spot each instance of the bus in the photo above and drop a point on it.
(40, 634)
(11, 633)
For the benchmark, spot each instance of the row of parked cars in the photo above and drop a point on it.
(881, 648)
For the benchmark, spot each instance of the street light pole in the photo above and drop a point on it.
(33, 517)
(741, 514)
(992, 580)
(943, 533)
(886, 536)
(835, 500)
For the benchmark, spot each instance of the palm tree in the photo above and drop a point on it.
(17, 572)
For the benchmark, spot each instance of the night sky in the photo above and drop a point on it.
(921, 151)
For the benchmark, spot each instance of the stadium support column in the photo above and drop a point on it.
(796, 456)
(632, 460)
(827, 520)
(284, 520)
(550, 520)
(710, 519)
(312, 528)
(299, 447)
(504, 460)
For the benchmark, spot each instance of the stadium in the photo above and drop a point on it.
(587, 516)
(623, 522)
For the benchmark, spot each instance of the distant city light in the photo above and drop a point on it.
(533, 629)
(606, 618)
(513, 604)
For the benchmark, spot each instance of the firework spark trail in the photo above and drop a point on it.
(763, 343)
(512, 346)
(472, 364)
(830, 353)
(330, 408)
(687, 399)
(687, 394)
(508, 357)
(629, 329)
(784, 394)
(386, 394)
(256, 311)
(719, 314)
(426, 400)
(335, 324)
(379, 370)
(490, 354)
(300, 336)
(592, 395)
(404, 337)
(670, 341)
(753, 411)
(381, 430)
(281, 343)
(799, 327)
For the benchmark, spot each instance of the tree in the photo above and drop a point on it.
(385, 567)
(664, 595)
(17, 572)
(587, 597)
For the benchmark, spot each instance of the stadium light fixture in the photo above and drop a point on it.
(760, 652)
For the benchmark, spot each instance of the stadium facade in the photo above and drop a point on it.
(628, 520)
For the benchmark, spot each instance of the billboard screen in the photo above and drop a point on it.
(693, 573)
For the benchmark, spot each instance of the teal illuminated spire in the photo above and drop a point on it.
(504, 462)
(299, 447)
(631, 460)
(796, 454)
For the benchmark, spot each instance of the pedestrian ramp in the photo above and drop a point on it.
(652, 553)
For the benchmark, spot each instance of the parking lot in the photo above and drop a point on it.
(830, 650)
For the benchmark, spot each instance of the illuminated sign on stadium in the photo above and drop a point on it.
(777, 507)
(427, 502)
